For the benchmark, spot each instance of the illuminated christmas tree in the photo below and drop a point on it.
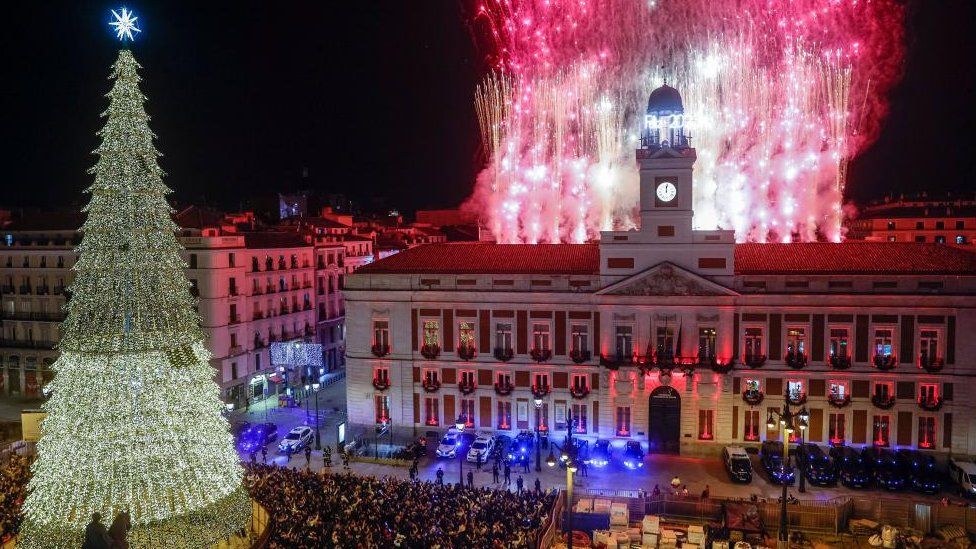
(134, 418)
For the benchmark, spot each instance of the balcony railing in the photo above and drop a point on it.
(930, 404)
(579, 392)
(379, 350)
(754, 361)
(796, 360)
(431, 385)
(615, 361)
(795, 399)
(540, 391)
(466, 352)
(839, 362)
(381, 384)
(430, 351)
(27, 344)
(540, 355)
(885, 402)
(504, 388)
(466, 388)
(504, 354)
(838, 401)
(931, 364)
(579, 356)
(37, 316)
(885, 362)
(752, 397)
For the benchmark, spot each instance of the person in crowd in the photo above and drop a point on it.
(119, 530)
(518, 483)
(346, 510)
(13, 489)
(706, 492)
(657, 490)
(96, 535)
(470, 479)
(538, 486)
(440, 476)
(508, 474)
(308, 456)
(675, 484)
(494, 473)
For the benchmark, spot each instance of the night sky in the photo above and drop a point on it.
(373, 98)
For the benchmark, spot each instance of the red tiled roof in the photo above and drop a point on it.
(853, 257)
(489, 258)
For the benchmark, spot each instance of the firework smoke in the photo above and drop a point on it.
(778, 95)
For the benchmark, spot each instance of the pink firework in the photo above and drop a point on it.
(778, 95)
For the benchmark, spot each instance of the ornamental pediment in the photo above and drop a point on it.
(666, 279)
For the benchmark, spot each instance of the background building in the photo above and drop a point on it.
(920, 219)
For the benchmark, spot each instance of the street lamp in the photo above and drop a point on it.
(307, 388)
(803, 419)
(538, 434)
(318, 439)
(568, 455)
(459, 425)
(788, 421)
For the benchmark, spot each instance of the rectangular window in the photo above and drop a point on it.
(883, 389)
(706, 424)
(541, 381)
(623, 421)
(881, 430)
(580, 335)
(503, 336)
(751, 431)
(382, 376)
(928, 392)
(928, 347)
(752, 385)
(754, 342)
(466, 336)
(580, 381)
(381, 334)
(431, 377)
(664, 343)
(836, 430)
(706, 343)
(882, 342)
(467, 377)
(467, 411)
(432, 333)
(794, 388)
(838, 342)
(540, 336)
(579, 418)
(503, 379)
(233, 370)
(625, 342)
(926, 432)
(432, 411)
(837, 389)
(504, 415)
(542, 418)
(796, 341)
(382, 408)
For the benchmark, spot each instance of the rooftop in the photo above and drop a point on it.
(274, 240)
(853, 257)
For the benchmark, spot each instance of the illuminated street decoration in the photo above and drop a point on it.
(296, 354)
(134, 419)
(779, 95)
(125, 24)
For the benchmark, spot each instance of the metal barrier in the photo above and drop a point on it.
(547, 532)
(925, 516)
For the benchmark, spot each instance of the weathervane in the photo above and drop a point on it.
(124, 24)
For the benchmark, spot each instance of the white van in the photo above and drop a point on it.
(962, 471)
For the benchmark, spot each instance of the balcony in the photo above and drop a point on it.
(795, 399)
(540, 391)
(754, 361)
(379, 350)
(43, 290)
(381, 384)
(839, 362)
(504, 388)
(795, 360)
(430, 351)
(579, 356)
(258, 315)
(885, 362)
(466, 352)
(579, 392)
(614, 362)
(663, 358)
(235, 350)
(257, 291)
(838, 401)
(712, 362)
(431, 385)
(25, 289)
(466, 387)
(540, 355)
(752, 397)
(884, 402)
(28, 344)
(504, 354)
(58, 290)
(36, 316)
(930, 403)
(234, 319)
(258, 344)
(931, 364)
(6, 289)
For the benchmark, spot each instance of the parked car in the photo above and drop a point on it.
(963, 473)
(256, 437)
(850, 467)
(633, 455)
(884, 468)
(449, 444)
(481, 448)
(737, 464)
(920, 470)
(296, 440)
(601, 455)
(500, 450)
(771, 457)
(520, 450)
(815, 464)
(582, 451)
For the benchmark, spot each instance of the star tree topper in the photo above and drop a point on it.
(124, 24)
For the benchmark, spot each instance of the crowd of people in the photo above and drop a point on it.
(14, 474)
(344, 510)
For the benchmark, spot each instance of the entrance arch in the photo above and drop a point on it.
(664, 417)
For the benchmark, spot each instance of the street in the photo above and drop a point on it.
(659, 469)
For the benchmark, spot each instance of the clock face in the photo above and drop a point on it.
(666, 191)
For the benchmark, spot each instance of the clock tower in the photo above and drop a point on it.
(666, 163)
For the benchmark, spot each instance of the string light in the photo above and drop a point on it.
(134, 418)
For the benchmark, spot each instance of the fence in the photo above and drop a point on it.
(923, 516)
(547, 533)
(18, 448)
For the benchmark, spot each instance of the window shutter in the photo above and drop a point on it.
(485, 405)
(947, 430)
(522, 379)
(449, 377)
(947, 391)
(904, 428)
(522, 326)
(775, 337)
(859, 426)
(861, 339)
(735, 422)
(818, 387)
(815, 429)
(817, 343)
(448, 330)
(774, 386)
(594, 382)
(484, 329)
(416, 407)
(906, 351)
(950, 349)
(560, 380)
(560, 335)
(860, 388)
